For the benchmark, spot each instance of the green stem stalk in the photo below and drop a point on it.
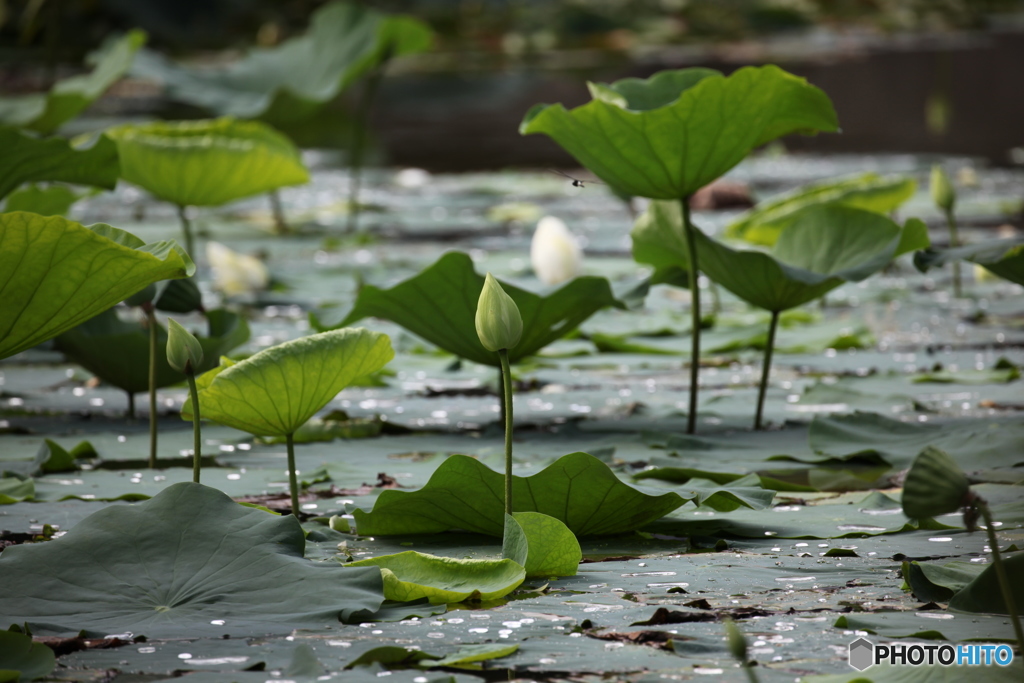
(131, 405)
(501, 395)
(954, 242)
(506, 379)
(997, 560)
(751, 676)
(151, 318)
(186, 228)
(767, 370)
(691, 246)
(357, 147)
(277, 209)
(197, 456)
(293, 479)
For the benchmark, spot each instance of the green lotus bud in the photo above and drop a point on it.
(184, 353)
(498, 323)
(737, 641)
(935, 485)
(143, 296)
(942, 190)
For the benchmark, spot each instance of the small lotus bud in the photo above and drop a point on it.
(934, 485)
(942, 190)
(498, 323)
(554, 252)
(184, 353)
(737, 641)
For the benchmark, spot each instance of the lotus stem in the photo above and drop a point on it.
(277, 209)
(186, 229)
(501, 394)
(293, 479)
(751, 676)
(358, 135)
(506, 380)
(131, 405)
(151, 320)
(997, 560)
(691, 246)
(197, 457)
(766, 371)
(954, 242)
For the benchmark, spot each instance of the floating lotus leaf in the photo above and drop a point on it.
(413, 576)
(542, 544)
(28, 159)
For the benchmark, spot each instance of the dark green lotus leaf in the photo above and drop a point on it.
(277, 390)
(55, 274)
(207, 162)
(439, 305)
(46, 112)
(466, 657)
(412, 576)
(189, 562)
(117, 351)
(28, 159)
(344, 41)
(824, 247)
(542, 544)
(983, 594)
(659, 241)
(935, 485)
(764, 223)
(26, 659)
(671, 151)
(577, 489)
(54, 200)
(938, 582)
(1005, 258)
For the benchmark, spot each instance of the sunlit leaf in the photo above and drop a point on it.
(28, 159)
(542, 544)
(55, 274)
(412, 576)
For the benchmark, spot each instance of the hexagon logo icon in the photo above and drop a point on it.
(862, 654)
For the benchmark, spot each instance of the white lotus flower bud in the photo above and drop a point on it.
(235, 273)
(555, 253)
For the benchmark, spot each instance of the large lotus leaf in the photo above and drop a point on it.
(642, 94)
(659, 241)
(46, 112)
(276, 391)
(542, 544)
(345, 40)
(938, 582)
(117, 351)
(672, 151)
(26, 659)
(54, 200)
(189, 562)
(935, 626)
(577, 489)
(439, 305)
(412, 576)
(823, 248)
(208, 162)
(55, 274)
(983, 594)
(27, 158)
(1005, 258)
(764, 223)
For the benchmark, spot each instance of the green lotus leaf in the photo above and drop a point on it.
(208, 162)
(189, 562)
(117, 351)
(413, 576)
(465, 657)
(26, 659)
(938, 582)
(542, 544)
(824, 247)
(344, 41)
(764, 223)
(54, 200)
(55, 274)
(577, 489)
(14, 490)
(46, 112)
(440, 305)
(671, 151)
(983, 594)
(935, 485)
(643, 94)
(1005, 258)
(277, 390)
(659, 241)
(28, 158)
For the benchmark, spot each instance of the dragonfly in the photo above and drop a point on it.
(576, 182)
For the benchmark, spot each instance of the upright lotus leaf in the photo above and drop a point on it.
(26, 659)
(935, 485)
(440, 305)
(577, 489)
(46, 112)
(117, 351)
(542, 544)
(190, 562)
(1005, 258)
(673, 150)
(208, 162)
(659, 241)
(53, 200)
(984, 593)
(55, 274)
(345, 40)
(765, 222)
(27, 159)
(412, 576)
